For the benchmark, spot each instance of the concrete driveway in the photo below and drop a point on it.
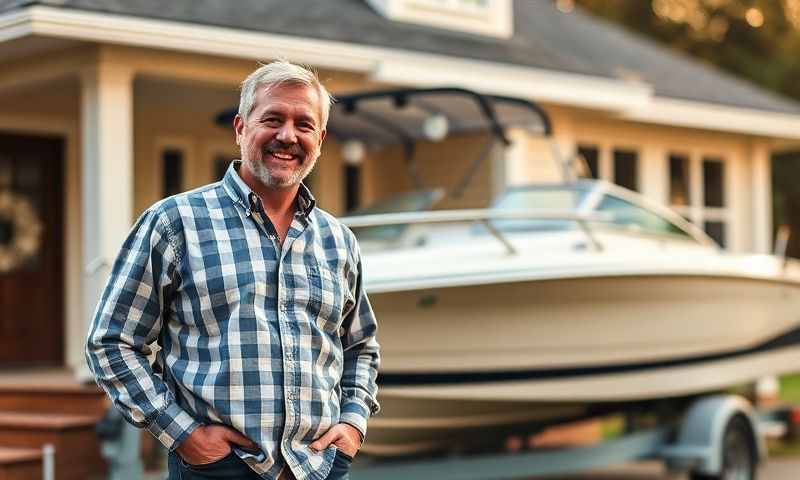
(775, 469)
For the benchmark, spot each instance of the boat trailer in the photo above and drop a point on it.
(718, 437)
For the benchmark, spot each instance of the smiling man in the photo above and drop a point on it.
(268, 354)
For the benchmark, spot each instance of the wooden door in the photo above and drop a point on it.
(31, 246)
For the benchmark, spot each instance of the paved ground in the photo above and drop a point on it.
(776, 469)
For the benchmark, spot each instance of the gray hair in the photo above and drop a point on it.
(282, 72)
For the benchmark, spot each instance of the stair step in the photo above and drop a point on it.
(77, 448)
(20, 464)
(54, 398)
(46, 421)
(9, 455)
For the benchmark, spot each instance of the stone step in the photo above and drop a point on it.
(20, 464)
(77, 449)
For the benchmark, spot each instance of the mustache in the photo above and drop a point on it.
(278, 146)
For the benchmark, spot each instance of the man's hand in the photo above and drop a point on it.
(345, 436)
(210, 443)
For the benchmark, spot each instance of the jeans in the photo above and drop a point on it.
(232, 467)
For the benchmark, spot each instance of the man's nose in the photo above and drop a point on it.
(286, 133)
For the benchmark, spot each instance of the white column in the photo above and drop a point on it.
(107, 182)
(762, 197)
(654, 173)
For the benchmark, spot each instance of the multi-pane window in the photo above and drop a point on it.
(614, 164)
(697, 191)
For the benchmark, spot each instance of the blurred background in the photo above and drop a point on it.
(679, 120)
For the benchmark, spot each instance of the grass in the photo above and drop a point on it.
(790, 389)
(789, 393)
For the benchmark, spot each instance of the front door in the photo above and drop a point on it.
(31, 245)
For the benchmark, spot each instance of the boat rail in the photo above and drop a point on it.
(484, 217)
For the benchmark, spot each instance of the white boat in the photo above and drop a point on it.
(559, 301)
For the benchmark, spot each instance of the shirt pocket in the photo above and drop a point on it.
(329, 297)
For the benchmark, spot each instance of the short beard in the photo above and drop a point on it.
(265, 176)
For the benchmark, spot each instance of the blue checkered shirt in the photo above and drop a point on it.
(276, 341)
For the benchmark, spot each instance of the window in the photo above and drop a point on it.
(171, 171)
(626, 169)
(590, 157)
(715, 230)
(713, 182)
(352, 187)
(221, 163)
(697, 191)
(679, 194)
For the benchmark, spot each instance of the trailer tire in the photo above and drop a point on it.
(739, 456)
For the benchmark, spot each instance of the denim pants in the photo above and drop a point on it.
(232, 467)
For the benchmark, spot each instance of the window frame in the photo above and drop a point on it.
(696, 211)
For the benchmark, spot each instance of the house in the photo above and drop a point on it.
(106, 106)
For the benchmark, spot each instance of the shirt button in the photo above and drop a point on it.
(283, 307)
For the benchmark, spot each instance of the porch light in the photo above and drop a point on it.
(353, 152)
(435, 127)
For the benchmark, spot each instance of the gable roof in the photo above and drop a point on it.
(544, 39)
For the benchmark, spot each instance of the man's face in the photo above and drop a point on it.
(280, 139)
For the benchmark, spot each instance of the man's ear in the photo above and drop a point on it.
(238, 126)
(322, 137)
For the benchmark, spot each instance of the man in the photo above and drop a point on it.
(268, 353)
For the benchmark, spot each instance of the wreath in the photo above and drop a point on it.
(26, 228)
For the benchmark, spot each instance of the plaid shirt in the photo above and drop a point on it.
(277, 341)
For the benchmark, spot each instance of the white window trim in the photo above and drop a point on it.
(496, 19)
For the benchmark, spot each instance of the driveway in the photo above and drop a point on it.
(775, 469)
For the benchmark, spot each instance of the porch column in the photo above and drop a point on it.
(762, 197)
(106, 181)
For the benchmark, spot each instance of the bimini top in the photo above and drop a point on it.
(406, 116)
(409, 115)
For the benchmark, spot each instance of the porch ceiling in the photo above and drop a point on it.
(34, 45)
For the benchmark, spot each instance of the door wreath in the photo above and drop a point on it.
(25, 231)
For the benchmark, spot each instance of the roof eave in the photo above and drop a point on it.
(633, 100)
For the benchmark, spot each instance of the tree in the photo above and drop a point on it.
(755, 39)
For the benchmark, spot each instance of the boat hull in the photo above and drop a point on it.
(546, 348)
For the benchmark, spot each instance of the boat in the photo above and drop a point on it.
(556, 302)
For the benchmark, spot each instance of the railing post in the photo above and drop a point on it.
(48, 462)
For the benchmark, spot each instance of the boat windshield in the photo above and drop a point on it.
(562, 198)
(416, 201)
(633, 217)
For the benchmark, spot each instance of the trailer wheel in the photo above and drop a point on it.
(739, 455)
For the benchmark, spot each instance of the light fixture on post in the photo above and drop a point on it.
(353, 152)
(436, 127)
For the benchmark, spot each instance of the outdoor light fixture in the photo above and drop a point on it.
(353, 152)
(435, 127)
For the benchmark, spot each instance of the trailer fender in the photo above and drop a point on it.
(699, 443)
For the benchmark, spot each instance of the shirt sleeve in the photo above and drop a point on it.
(361, 358)
(128, 319)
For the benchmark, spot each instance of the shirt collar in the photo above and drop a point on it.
(245, 197)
